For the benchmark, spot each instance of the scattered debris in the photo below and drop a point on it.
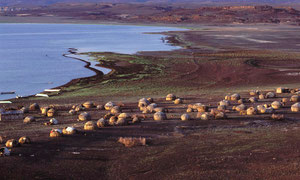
(4, 152)
(277, 117)
(11, 115)
(131, 141)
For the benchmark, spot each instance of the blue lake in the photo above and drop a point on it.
(31, 55)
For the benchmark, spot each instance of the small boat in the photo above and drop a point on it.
(52, 90)
(18, 96)
(5, 102)
(8, 92)
(42, 95)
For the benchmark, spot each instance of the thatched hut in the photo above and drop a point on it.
(24, 140)
(221, 107)
(100, 107)
(295, 98)
(178, 101)
(53, 121)
(115, 110)
(170, 97)
(251, 111)
(235, 97)
(90, 126)
(253, 99)
(51, 112)
(224, 103)
(202, 108)
(253, 92)
(270, 95)
(88, 104)
(261, 96)
(185, 117)
(241, 101)
(158, 116)
(159, 109)
(203, 116)
(112, 120)
(135, 119)
(85, 116)
(284, 100)
(11, 143)
(25, 109)
(29, 119)
(282, 90)
(295, 107)
(79, 108)
(109, 105)
(72, 112)
(143, 103)
(55, 133)
(151, 100)
(102, 123)
(261, 109)
(44, 110)
(240, 107)
(124, 115)
(69, 130)
(122, 121)
(269, 110)
(276, 105)
(151, 107)
(34, 107)
(189, 110)
(220, 115)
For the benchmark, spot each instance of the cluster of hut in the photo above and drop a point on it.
(115, 116)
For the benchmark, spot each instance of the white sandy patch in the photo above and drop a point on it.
(294, 74)
(244, 38)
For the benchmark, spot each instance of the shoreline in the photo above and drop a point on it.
(98, 73)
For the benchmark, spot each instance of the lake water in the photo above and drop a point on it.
(31, 54)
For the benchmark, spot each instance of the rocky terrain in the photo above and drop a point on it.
(49, 2)
(142, 13)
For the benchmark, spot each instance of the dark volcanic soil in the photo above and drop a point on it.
(204, 71)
